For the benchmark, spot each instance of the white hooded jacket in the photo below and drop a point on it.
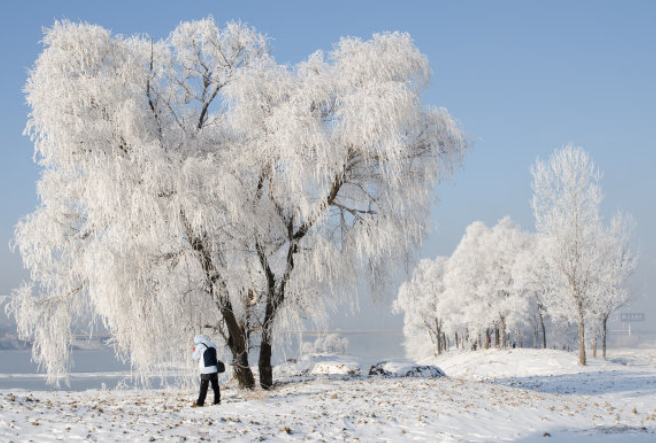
(206, 360)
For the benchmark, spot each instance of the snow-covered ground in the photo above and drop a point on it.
(518, 395)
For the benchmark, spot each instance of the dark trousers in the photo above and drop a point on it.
(205, 380)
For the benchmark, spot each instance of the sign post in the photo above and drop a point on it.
(632, 317)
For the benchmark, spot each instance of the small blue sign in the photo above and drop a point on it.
(632, 317)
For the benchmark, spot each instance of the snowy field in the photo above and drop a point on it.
(518, 395)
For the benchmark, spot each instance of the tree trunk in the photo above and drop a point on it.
(594, 343)
(276, 297)
(504, 335)
(544, 331)
(241, 367)
(604, 331)
(535, 335)
(438, 337)
(497, 342)
(274, 300)
(579, 307)
(238, 345)
(264, 363)
(237, 339)
(541, 318)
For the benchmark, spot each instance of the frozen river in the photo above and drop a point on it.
(90, 370)
(93, 369)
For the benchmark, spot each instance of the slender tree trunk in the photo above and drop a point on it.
(504, 335)
(579, 307)
(544, 331)
(594, 343)
(497, 342)
(535, 334)
(438, 337)
(604, 332)
(541, 319)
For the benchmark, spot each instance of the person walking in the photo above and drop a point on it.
(205, 353)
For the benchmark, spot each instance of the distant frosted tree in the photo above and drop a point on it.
(618, 262)
(503, 245)
(566, 206)
(480, 276)
(193, 184)
(531, 275)
(423, 301)
(465, 277)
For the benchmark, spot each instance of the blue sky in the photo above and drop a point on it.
(523, 78)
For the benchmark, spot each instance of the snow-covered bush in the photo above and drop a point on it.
(336, 367)
(315, 364)
(402, 368)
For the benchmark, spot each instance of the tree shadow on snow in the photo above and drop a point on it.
(604, 434)
(637, 383)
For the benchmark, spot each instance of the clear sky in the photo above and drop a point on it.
(523, 78)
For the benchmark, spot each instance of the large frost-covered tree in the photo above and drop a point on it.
(343, 159)
(137, 210)
(566, 203)
(193, 184)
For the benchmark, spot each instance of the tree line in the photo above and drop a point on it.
(503, 280)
